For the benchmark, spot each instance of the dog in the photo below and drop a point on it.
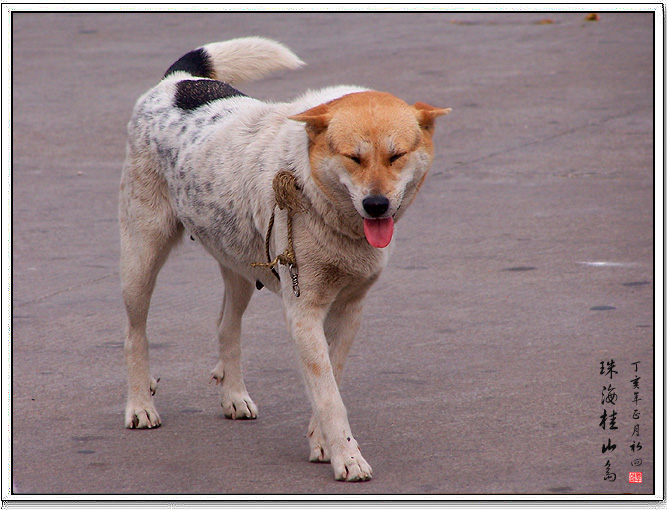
(204, 159)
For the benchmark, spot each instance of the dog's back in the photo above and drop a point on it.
(192, 85)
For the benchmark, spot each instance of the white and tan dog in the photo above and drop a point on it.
(202, 158)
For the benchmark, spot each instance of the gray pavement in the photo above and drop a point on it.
(477, 370)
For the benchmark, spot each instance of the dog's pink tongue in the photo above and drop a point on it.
(379, 232)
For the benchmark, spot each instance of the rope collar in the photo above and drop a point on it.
(286, 191)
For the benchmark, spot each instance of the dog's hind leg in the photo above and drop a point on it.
(234, 398)
(148, 231)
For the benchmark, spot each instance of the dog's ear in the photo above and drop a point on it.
(316, 119)
(426, 114)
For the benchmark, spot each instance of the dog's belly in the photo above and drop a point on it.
(224, 231)
(215, 212)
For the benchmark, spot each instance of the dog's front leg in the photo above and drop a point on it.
(340, 327)
(306, 322)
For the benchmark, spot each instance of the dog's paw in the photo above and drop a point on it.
(234, 399)
(351, 468)
(141, 416)
(238, 406)
(318, 451)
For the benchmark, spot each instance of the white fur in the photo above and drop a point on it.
(249, 58)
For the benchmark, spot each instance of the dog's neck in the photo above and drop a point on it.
(320, 206)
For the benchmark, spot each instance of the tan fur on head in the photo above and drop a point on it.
(427, 114)
(371, 143)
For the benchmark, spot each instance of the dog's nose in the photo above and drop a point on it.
(375, 205)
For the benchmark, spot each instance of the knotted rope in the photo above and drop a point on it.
(286, 192)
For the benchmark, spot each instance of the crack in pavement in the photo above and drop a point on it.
(545, 138)
(68, 289)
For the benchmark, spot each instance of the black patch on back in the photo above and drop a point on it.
(191, 94)
(196, 63)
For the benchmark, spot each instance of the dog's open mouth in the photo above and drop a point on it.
(379, 231)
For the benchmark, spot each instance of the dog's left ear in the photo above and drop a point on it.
(426, 114)
(316, 119)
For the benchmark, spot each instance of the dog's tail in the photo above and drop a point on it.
(236, 60)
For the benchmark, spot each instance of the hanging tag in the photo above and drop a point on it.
(294, 275)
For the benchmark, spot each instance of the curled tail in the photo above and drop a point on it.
(236, 60)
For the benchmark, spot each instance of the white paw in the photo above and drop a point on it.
(318, 451)
(238, 407)
(234, 399)
(351, 468)
(141, 416)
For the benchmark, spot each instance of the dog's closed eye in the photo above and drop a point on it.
(396, 156)
(354, 158)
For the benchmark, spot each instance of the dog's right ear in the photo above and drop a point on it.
(426, 114)
(316, 119)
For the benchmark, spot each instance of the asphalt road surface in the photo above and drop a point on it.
(525, 263)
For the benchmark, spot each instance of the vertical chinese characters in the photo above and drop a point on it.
(608, 418)
(636, 445)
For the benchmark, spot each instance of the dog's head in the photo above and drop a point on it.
(369, 153)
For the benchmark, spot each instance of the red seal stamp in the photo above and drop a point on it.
(635, 477)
